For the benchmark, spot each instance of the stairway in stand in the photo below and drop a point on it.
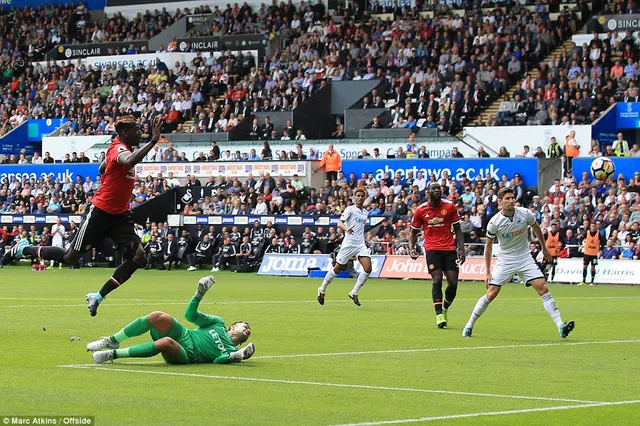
(492, 110)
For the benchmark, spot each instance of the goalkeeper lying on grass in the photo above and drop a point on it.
(210, 342)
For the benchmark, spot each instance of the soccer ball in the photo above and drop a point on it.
(602, 168)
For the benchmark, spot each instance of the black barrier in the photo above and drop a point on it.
(72, 51)
(195, 21)
(219, 43)
(113, 3)
(190, 195)
(606, 23)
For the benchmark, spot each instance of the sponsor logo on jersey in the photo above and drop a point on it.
(216, 338)
(514, 233)
(436, 221)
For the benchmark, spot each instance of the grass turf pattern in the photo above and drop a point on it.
(383, 362)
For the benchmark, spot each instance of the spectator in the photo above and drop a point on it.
(620, 146)
(571, 150)
(331, 162)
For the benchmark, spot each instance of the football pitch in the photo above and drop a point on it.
(383, 363)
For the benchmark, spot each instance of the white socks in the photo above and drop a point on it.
(481, 306)
(327, 280)
(549, 304)
(362, 278)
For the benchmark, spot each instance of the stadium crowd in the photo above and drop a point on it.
(568, 207)
(439, 72)
(448, 67)
(577, 86)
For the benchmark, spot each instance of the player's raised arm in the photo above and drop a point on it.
(192, 314)
(130, 159)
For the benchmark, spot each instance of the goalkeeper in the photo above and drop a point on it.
(210, 342)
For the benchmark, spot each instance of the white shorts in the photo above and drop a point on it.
(58, 244)
(505, 270)
(347, 252)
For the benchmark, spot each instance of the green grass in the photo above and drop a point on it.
(395, 316)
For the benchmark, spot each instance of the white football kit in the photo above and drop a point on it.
(58, 232)
(353, 245)
(515, 258)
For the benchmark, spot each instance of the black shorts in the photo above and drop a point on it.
(590, 259)
(99, 225)
(439, 260)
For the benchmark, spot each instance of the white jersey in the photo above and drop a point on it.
(57, 231)
(511, 233)
(355, 218)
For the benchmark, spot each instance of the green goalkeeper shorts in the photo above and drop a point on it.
(181, 335)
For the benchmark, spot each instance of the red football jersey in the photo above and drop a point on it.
(114, 194)
(436, 225)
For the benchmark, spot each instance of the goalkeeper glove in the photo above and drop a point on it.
(204, 285)
(244, 353)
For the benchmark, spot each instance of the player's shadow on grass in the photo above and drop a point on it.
(184, 368)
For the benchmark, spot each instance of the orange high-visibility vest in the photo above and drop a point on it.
(592, 244)
(552, 243)
(570, 150)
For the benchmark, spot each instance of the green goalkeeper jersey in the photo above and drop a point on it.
(211, 341)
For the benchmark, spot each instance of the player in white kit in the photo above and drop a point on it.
(57, 239)
(352, 222)
(510, 227)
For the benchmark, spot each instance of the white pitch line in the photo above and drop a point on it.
(127, 361)
(314, 301)
(458, 348)
(492, 413)
(148, 302)
(133, 361)
(338, 385)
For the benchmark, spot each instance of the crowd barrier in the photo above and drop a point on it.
(403, 267)
(473, 167)
(275, 220)
(180, 170)
(624, 166)
(621, 117)
(514, 138)
(625, 272)
(18, 4)
(128, 62)
(383, 266)
(93, 146)
(29, 219)
(56, 171)
(227, 169)
(199, 220)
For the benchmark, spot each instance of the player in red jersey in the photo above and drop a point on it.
(435, 218)
(109, 215)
